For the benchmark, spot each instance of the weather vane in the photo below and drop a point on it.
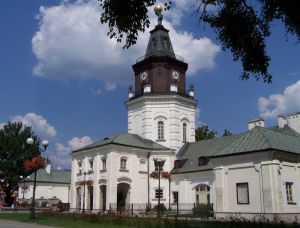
(158, 10)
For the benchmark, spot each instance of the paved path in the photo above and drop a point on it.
(13, 224)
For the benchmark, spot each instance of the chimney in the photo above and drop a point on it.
(281, 121)
(48, 168)
(256, 122)
(294, 121)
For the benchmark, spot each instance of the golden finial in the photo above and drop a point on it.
(158, 8)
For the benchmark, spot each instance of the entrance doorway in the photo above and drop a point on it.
(103, 197)
(202, 194)
(123, 196)
(90, 198)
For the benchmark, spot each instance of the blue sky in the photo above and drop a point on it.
(63, 76)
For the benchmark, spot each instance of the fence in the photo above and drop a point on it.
(176, 209)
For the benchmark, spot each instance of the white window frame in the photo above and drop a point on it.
(103, 163)
(123, 159)
(161, 135)
(289, 191)
(242, 193)
(184, 132)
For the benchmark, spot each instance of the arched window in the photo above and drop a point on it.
(160, 126)
(184, 132)
(202, 194)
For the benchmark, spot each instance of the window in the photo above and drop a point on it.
(242, 193)
(123, 164)
(91, 164)
(202, 194)
(177, 164)
(159, 193)
(289, 192)
(79, 166)
(175, 197)
(104, 164)
(161, 167)
(184, 132)
(202, 161)
(160, 130)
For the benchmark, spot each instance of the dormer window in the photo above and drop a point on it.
(202, 161)
(177, 164)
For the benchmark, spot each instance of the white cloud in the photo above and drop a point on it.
(110, 86)
(77, 143)
(95, 92)
(63, 158)
(39, 125)
(277, 104)
(198, 123)
(72, 44)
(1, 125)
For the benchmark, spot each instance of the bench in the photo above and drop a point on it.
(24, 205)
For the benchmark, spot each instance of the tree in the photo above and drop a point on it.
(226, 133)
(203, 133)
(241, 26)
(13, 152)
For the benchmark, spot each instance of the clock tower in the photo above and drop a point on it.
(161, 109)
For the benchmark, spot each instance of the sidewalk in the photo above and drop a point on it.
(13, 224)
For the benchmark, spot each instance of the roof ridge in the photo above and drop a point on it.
(262, 131)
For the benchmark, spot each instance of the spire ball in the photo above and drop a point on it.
(158, 8)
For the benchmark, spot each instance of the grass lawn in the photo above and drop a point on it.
(53, 222)
(69, 220)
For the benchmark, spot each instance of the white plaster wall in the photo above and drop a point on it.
(47, 190)
(289, 173)
(173, 110)
(135, 175)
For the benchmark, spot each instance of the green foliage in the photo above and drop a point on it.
(241, 26)
(13, 152)
(127, 17)
(203, 133)
(226, 133)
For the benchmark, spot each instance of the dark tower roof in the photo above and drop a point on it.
(159, 44)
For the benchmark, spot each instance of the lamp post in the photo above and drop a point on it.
(21, 177)
(45, 143)
(160, 163)
(83, 206)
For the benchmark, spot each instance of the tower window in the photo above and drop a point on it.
(160, 130)
(184, 132)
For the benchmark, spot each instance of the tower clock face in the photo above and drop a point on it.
(144, 76)
(175, 75)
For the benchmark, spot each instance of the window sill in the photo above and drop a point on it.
(124, 170)
(143, 172)
(160, 140)
(292, 203)
(102, 170)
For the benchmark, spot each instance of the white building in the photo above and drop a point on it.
(254, 173)
(51, 185)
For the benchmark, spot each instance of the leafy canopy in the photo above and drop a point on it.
(241, 26)
(13, 152)
(226, 133)
(203, 133)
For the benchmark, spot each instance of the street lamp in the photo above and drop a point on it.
(159, 162)
(83, 206)
(45, 143)
(21, 177)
